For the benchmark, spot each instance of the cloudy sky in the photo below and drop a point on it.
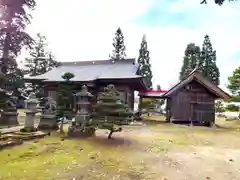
(83, 30)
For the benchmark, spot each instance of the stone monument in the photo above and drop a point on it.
(9, 115)
(31, 110)
(48, 117)
(80, 126)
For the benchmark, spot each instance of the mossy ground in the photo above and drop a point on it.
(137, 153)
(56, 157)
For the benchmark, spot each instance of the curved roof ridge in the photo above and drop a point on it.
(96, 62)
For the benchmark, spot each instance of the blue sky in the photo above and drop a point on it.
(159, 15)
(83, 30)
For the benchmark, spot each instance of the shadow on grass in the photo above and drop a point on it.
(153, 122)
(154, 119)
(115, 141)
(102, 140)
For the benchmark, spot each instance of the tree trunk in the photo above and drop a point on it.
(61, 126)
(110, 134)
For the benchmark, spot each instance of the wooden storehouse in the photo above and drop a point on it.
(95, 75)
(193, 100)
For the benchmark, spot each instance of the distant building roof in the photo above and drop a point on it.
(152, 93)
(92, 70)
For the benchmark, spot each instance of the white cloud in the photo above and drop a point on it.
(84, 30)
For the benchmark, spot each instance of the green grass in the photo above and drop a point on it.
(155, 118)
(220, 122)
(98, 158)
(51, 158)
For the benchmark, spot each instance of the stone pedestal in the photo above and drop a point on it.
(80, 129)
(81, 120)
(75, 132)
(30, 119)
(9, 119)
(31, 105)
(48, 121)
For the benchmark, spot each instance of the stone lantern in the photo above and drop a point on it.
(83, 103)
(48, 117)
(8, 104)
(31, 110)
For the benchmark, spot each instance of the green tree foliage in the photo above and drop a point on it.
(190, 60)
(204, 60)
(159, 88)
(219, 107)
(159, 102)
(232, 108)
(218, 2)
(3, 97)
(208, 57)
(119, 51)
(144, 64)
(14, 76)
(40, 60)
(67, 76)
(64, 95)
(148, 104)
(110, 112)
(64, 98)
(14, 18)
(234, 85)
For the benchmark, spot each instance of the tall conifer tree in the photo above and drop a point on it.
(40, 60)
(204, 60)
(119, 51)
(208, 57)
(190, 60)
(144, 63)
(13, 21)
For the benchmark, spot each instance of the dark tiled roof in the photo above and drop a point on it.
(92, 70)
(196, 75)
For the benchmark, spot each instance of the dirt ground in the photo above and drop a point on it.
(188, 153)
(140, 152)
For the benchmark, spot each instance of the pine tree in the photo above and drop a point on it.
(234, 85)
(190, 60)
(41, 60)
(14, 77)
(13, 21)
(64, 98)
(144, 63)
(219, 108)
(109, 112)
(119, 48)
(208, 57)
(15, 15)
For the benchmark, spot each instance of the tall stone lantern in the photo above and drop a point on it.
(48, 117)
(83, 104)
(31, 110)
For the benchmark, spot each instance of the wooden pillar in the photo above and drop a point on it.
(140, 104)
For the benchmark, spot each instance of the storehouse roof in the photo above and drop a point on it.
(196, 75)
